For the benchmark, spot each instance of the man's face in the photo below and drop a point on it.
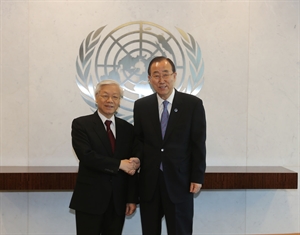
(108, 100)
(162, 79)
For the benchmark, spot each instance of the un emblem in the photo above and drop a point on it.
(124, 54)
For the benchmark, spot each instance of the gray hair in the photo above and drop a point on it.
(108, 82)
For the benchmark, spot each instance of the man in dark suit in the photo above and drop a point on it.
(106, 187)
(174, 154)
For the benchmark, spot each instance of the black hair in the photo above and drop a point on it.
(159, 59)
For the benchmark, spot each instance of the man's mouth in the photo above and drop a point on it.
(162, 87)
(109, 106)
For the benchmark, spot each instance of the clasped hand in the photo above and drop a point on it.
(130, 165)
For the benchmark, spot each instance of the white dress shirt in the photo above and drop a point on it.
(112, 125)
(161, 105)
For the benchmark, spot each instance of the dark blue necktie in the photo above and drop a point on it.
(164, 118)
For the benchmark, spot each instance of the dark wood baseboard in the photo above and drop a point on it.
(250, 177)
(53, 178)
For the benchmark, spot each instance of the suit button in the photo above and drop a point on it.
(162, 150)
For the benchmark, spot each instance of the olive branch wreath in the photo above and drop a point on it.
(84, 79)
(195, 81)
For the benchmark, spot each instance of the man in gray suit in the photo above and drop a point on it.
(172, 128)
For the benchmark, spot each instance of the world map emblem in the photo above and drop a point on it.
(123, 54)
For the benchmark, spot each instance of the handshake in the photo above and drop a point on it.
(130, 165)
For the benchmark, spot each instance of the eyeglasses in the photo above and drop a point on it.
(106, 97)
(163, 76)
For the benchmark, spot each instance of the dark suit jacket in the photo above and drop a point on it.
(182, 151)
(99, 176)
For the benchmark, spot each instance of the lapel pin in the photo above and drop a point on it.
(175, 110)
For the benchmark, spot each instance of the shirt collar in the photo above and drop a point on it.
(103, 118)
(170, 98)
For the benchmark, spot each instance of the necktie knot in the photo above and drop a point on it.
(107, 123)
(165, 103)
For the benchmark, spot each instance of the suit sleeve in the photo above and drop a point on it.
(198, 138)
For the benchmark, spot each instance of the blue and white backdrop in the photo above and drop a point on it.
(240, 57)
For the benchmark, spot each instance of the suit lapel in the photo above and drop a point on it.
(153, 115)
(174, 114)
(120, 134)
